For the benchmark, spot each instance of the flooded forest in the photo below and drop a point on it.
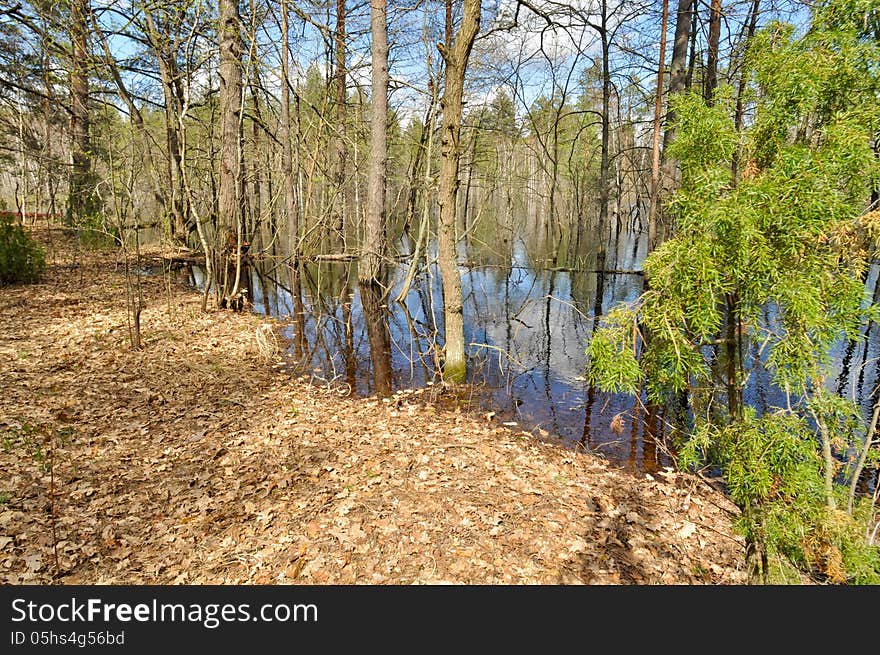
(636, 229)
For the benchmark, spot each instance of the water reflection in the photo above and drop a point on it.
(528, 317)
(526, 330)
(853, 364)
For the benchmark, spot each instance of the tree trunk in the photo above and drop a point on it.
(448, 25)
(712, 61)
(229, 201)
(291, 208)
(677, 84)
(732, 346)
(678, 66)
(255, 204)
(692, 57)
(177, 199)
(339, 139)
(456, 59)
(287, 172)
(378, 335)
(741, 87)
(177, 204)
(658, 113)
(605, 164)
(369, 267)
(78, 202)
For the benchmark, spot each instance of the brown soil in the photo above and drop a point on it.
(200, 459)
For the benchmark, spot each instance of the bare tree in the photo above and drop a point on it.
(286, 136)
(291, 204)
(678, 81)
(678, 66)
(165, 43)
(456, 59)
(339, 147)
(369, 268)
(604, 166)
(655, 153)
(229, 210)
(712, 60)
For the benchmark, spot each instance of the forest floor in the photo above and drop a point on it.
(202, 459)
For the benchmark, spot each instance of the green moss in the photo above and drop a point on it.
(454, 372)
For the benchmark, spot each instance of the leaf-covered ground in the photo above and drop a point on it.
(200, 459)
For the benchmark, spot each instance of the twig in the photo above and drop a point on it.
(52, 503)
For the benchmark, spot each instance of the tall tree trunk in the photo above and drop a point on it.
(743, 81)
(678, 66)
(658, 113)
(456, 59)
(229, 207)
(256, 204)
(677, 84)
(177, 198)
(554, 177)
(369, 267)
(291, 206)
(692, 57)
(78, 203)
(448, 31)
(339, 138)
(254, 197)
(287, 172)
(180, 217)
(712, 60)
(605, 162)
(177, 204)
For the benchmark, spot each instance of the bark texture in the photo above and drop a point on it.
(456, 59)
(78, 203)
(229, 205)
(369, 268)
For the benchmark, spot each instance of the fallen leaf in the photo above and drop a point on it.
(34, 562)
(687, 530)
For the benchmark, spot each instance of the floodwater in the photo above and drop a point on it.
(526, 330)
(528, 320)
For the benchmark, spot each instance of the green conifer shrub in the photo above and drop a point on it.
(21, 259)
(790, 227)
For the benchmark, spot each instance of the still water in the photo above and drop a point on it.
(527, 324)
